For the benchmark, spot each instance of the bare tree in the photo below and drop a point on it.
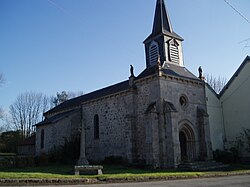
(216, 83)
(1, 119)
(74, 94)
(60, 98)
(1, 113)
(1, 82)
(27, 110)
(1, 79)
(1, 110)
(64, 96)
(5, 122)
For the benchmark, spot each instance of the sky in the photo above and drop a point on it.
(83, 45)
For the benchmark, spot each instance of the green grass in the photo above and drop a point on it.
(7, 154)
(66, 171)
(55, 171)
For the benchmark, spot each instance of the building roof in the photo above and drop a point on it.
(212, 90)
(161, 19)
(247, 59)
(169, 69)
(122, 86)
(56, 118)
(162, 24)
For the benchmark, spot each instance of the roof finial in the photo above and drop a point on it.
(132, 71)
(200, 74)
(132, 76)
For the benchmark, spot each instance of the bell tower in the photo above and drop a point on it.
(163, 42)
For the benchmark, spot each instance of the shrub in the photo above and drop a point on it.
(7, 162)
(114, 160)
(225, 156)
(17, 162)
(24, 161)
(42, 159)
(68, 153)
(9, 141)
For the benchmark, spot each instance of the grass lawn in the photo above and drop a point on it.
(7, 154)
(110, 171)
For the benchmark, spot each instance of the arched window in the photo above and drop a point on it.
(96, 127)
(42, 139)
(174, 51)
(153, 53)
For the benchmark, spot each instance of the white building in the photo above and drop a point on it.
(229, 111)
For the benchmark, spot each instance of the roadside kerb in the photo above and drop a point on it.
(75, 181)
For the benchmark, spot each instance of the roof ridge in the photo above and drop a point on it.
(236, 73)
(91, 95)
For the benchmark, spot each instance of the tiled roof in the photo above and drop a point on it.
(56, 118)
(169, 69)
(162, 24)
(171, 34)
(90, 96)
(180, 71)
(161, 19)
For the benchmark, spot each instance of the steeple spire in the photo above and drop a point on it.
(163, 41)
(161, 20)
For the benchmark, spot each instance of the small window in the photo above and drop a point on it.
(153, 53)
(96, 127)
(42, 139)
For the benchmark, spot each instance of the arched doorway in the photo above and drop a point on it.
(187, 143)
(183, 145)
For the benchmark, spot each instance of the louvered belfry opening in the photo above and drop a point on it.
(174, 52)
(153, 53)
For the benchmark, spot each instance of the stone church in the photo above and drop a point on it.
(157, 119)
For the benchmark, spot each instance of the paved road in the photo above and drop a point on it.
(233, 181)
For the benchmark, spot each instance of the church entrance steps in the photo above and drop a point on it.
(202, 166)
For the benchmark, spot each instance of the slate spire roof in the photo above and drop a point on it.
(162, 24)
(161, 19)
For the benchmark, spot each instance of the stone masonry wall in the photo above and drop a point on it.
(147, 122)
(133, 124)
(56, 133)
(157, 133)
(114, 127)
(171, 91)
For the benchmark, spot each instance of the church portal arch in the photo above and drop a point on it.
(187, 142)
